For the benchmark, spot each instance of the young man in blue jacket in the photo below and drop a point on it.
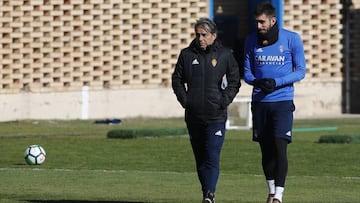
(205, 81)
(274, 60)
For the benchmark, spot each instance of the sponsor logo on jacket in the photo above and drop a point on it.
(264, 59)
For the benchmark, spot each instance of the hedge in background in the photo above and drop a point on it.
(340, 139)
(136, 133)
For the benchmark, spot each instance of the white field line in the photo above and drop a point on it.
(164, 172)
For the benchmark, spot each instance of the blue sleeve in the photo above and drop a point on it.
(248, 61)
(298, 61)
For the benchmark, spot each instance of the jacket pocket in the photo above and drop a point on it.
(213, 100)
(194, 100)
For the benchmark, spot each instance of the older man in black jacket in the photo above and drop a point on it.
(205, 81)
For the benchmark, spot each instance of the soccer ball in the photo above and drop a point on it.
(34, 155)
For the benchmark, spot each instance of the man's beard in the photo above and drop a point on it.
(270, 37)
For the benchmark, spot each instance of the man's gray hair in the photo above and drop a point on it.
(206, 24)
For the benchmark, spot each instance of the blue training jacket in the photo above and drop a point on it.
(283, 61)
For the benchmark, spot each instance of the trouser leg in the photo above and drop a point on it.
(206, 142)
(274, 160)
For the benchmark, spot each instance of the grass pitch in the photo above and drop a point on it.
(82, 165)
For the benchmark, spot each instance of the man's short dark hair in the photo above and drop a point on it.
(265, 8)
(207, 24)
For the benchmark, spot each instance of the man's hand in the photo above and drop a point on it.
(265, 84)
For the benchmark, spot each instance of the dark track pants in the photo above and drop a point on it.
(274, 160)
(272, 129)
(206, 142)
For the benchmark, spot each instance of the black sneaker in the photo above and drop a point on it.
(209, 198)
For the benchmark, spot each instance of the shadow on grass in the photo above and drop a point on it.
(77, 201)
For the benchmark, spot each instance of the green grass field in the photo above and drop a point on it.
(83, 165)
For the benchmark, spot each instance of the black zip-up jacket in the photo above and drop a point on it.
(198, 82)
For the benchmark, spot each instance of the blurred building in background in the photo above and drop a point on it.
(89, 59)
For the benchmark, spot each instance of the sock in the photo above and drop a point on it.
(279, 193)
(271, 186)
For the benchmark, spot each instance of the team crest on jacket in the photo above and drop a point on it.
(214, 62)
(281, 48)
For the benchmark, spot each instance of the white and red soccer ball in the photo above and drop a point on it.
(34, 155)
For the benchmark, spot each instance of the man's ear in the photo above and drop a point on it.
(273, 21)
(214, 35)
